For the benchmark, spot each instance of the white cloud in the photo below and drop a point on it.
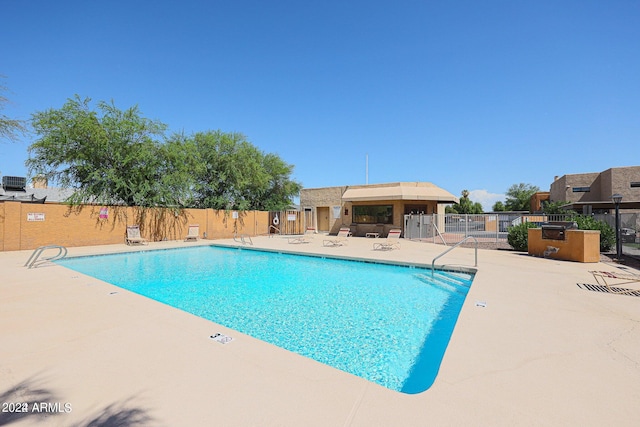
(486, 199)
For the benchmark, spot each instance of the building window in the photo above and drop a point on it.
(374, 214)
(635, 184)
(581, 189)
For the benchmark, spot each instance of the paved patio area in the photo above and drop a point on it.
(543, 351)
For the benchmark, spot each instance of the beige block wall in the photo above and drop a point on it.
(82, 226)
(10, 224)
(223, 225)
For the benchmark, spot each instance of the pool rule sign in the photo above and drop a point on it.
(33, 216)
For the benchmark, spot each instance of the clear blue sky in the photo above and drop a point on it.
(475, 95)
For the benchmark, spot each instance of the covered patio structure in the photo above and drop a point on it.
(371, 209)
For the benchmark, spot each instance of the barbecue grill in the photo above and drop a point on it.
(555, 230)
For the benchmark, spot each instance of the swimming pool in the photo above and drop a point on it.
(388, 324)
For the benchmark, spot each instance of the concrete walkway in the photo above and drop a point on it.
(543, 352)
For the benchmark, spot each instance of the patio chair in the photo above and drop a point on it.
(134, 237)
(193, 234)
(341, 238)
(392, 242)
(613, 280)
(307, 237)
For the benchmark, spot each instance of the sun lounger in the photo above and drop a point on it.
(193, 234)
(392, 242)
(341, 238)
(306, 238)
(133, 236)
(613, 280)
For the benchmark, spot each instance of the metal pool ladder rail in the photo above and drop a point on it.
(35, 259)
(245, 239)
(433, 262)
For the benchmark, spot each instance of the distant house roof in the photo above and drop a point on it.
(26, 199)
(52, 195)
(399, 191)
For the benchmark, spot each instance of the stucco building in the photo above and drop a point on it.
(371, 208)
(590, 192)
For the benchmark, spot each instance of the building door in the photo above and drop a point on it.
(308, 218)
(323, 218)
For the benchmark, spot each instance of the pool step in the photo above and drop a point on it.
(451, 282)
(453, 278)
(462, 279)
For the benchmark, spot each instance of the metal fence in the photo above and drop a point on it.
(493, 228)
(452, 228)
(629, 231)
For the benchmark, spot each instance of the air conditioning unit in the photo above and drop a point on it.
(14, 183)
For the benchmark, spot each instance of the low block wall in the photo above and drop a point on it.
(29, 225)
(579, 245)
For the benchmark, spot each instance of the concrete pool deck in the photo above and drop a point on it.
(543, 351)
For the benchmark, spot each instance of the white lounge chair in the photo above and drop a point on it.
(392, 242)
(193, 234)
(307, 237)
(341, 238)
(134, 237)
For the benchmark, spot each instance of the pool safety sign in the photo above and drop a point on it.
(221, 338)
(31, 216)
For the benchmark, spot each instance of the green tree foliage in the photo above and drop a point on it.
(518, 236)
(466, 206)
(553, 208)
(231, 173)
(518, 196)
(10, 129)
(498, 207)
(278, 193)
(111, 157)
(118, 157)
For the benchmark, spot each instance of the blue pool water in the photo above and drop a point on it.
(387, 324)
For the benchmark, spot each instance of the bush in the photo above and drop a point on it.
(518, 236)
(607, 234)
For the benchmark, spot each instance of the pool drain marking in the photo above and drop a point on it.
(221, 338)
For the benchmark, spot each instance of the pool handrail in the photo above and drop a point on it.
(35, 256)
(242, 239)
(274, 228)
(433, 262)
